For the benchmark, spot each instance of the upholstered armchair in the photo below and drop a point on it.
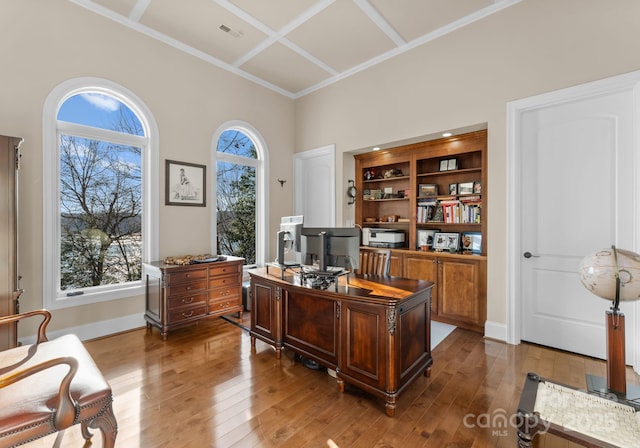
(49, 386)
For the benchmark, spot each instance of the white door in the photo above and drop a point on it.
(576, 182)
(315, 186)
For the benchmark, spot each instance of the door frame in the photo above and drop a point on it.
(515, 110)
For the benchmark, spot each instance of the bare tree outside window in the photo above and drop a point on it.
(100, 208)
(236, 197)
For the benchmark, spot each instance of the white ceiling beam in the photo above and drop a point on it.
(380, 22)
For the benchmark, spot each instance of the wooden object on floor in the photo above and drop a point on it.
(374, 262)
(179, 295)
(9, 288)
(75, 391)
(376, 335)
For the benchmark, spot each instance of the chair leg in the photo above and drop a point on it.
(106, 423)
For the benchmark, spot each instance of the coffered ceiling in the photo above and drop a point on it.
(294, 47)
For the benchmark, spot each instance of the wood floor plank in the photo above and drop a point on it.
(207, 387)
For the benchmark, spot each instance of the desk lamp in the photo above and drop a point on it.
(613, 274)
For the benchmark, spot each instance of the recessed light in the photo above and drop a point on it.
(447, 134)
(375, 148)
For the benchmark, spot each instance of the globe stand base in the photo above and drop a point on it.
(598, 385)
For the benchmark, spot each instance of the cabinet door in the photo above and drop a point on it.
(310, 326)
(8, 239)
(462, 291)
(364, 343)
(424, 267)
(265, 298)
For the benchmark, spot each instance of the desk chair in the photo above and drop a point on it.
(374, 262)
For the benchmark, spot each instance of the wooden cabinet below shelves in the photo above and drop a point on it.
(459, 295)
(179, 295)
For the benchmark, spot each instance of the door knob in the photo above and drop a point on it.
(530, 255)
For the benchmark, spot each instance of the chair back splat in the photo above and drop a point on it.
(374, 262)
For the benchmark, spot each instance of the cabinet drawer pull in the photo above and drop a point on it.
(189, 300)
(188, 288)
(189, 314)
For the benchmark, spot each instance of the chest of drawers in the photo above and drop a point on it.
(179, 295)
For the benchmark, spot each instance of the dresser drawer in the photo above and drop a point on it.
(186, 288)
(225, 280)
(188, 300)
(219, 305)
(186, 276)
(224, 270)
(188, 313)
(225, 292)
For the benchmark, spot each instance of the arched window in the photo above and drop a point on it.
(99, 160)
(240, 221)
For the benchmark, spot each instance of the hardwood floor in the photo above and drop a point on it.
(205, 387)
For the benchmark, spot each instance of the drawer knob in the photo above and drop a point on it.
(189, 314)
(189, 300)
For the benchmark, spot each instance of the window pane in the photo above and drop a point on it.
(100, 111)
(236, 210)
(100, 213)
(237, 143)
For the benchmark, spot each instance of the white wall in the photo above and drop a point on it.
(44, 43)
(467, 78)
(461, 79)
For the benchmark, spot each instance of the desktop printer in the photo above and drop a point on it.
(375, 237)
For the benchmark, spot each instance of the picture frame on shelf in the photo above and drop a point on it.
(471, 242)
(425, 238)
(428, 190)
(452, 164)
(477, 187)
(446, 241)
(453, 188)
(444, 164)
(465, 188)
(185, 184)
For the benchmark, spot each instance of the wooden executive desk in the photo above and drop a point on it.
(374, 331)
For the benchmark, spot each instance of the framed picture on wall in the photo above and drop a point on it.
(185, 184)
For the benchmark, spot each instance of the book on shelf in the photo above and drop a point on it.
(460, 212)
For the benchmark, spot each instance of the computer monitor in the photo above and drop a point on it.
(331, 247)
(288, 240)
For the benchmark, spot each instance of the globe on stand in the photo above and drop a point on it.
(613, 274)
(600, 271)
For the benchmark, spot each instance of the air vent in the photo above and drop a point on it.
(232, 32)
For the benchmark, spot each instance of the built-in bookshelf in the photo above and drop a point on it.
(437, 184)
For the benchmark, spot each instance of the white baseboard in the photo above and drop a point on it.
(494, 330)
(95, 329)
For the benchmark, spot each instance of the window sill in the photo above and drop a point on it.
(88, 297)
